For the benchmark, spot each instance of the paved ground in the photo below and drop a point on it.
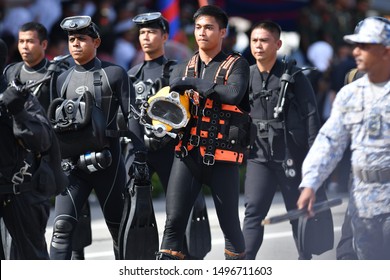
(278, 242)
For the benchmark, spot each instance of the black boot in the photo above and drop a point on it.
(78, 255)
(234, 256)
(169, 255)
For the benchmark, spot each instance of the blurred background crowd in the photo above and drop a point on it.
(312, 32)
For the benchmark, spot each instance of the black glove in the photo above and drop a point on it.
(139, 169)
(14, 99)
(205, 88)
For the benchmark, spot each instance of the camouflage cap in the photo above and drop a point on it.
(372, 30)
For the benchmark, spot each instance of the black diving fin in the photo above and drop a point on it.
(138, 233)
(198, 235)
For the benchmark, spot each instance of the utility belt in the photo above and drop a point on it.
(381, 176)
(269, 129)
(265, 127)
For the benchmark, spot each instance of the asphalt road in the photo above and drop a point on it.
(278, 242)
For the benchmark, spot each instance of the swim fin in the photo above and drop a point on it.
(138, 234)
(198, 235)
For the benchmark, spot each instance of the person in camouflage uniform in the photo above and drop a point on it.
(360, 118)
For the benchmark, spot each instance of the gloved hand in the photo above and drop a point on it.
(139, 169)
(14, 98)
(205, 88)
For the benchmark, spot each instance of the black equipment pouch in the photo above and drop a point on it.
(78, 119)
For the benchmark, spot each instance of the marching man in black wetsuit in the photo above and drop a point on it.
(93, 162)
(148, 78)
(25, 187)
(283, 139)
(212, 145)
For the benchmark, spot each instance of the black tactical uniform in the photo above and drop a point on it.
(286, 137)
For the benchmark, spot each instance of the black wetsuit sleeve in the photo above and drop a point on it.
(308, 104)
(237, 83)
(32, 126)
(236, 87)
(172, 68)
(177, 71)
(127, 99)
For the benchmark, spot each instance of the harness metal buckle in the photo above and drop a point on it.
(16, 189)
(194, 110)
(18, 178)
(209, 159)
(194, 140)
(182, 153)
(262, 126)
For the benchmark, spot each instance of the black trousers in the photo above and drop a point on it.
(261, 182)
(108, 185)
(25, 216)
(183, 189)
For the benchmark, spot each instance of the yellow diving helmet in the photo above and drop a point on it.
(168, 110)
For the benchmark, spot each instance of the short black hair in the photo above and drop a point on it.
(35, 26)
(269, 25)
(214, 11)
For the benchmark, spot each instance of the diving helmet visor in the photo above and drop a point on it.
(167, 108)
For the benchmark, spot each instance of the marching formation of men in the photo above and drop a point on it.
(79, 124)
